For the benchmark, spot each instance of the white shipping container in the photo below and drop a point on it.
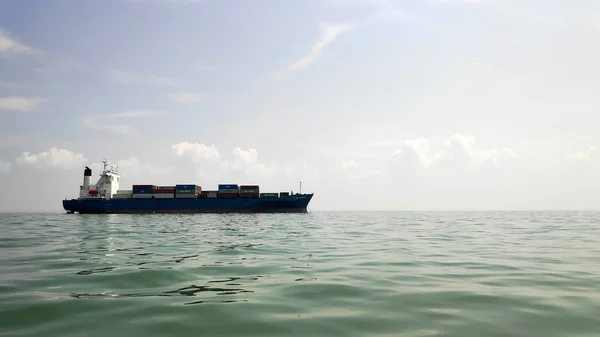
(142, 196)
(124, 192)
(163, 196)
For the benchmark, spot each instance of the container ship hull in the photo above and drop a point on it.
(297, 203)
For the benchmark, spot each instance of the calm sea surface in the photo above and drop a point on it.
(317, 274)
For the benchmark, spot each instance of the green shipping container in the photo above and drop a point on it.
(185, 191)
(269, 195)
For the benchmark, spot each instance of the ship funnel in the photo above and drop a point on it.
(87, 178)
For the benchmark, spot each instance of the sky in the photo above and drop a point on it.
(372, 104)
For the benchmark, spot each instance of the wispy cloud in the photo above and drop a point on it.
(23, 104)
(384, 9)
(330, 31)
(128, 77)
(97, 121)
(9, 44)
(187, 97)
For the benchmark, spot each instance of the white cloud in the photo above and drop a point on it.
(330, 31)
(196, 152)
(5, 167)
(584, 155)
(244, 164)
(23, 104)
(135, 168)
(9, 44)
(186, 97)
(97, 121)
(457, 148)
(128, 77)
(53, 158)
(246, 156)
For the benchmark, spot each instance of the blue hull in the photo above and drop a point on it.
(296, 203)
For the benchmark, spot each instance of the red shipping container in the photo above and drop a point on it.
(143, 187)
(249, 187)
(164, 191)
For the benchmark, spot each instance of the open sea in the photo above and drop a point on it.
(317, 274)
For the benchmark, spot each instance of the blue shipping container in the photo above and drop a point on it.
(186, 187)
(141, 192)
(228, 186)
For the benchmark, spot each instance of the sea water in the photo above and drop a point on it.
(317, 274)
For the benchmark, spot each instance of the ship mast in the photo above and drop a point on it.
(300, 187)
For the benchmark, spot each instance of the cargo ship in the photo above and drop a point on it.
(105, 197)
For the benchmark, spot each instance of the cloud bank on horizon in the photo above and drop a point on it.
(372, 104)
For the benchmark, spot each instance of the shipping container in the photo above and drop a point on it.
(249, 187)
(165, 187)
(188, 187)
(227, 195)
(143, 187)
(185, 196)
(186, 191)
(142, 196)
(269, 195)
(228, 190)
(228, 186)
(164, 196)
(142, 191)
(249, 191)
(124, 191)
(164, 191)
(121, 196)
(211, 196)
(284, 194)
(249, 195)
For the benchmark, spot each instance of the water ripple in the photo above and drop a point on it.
(317, 274)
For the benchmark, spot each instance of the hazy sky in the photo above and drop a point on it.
(372, 104)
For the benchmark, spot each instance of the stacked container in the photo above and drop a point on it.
(228, 191)
(187, 191)
(143, 191)
(269, 195)
(284, 194)
(122, 194)
(249, 191)
(164, 192)
(212, 194)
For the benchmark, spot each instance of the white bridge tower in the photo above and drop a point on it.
(105, 187)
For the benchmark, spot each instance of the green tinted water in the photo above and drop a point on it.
(316, 274)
